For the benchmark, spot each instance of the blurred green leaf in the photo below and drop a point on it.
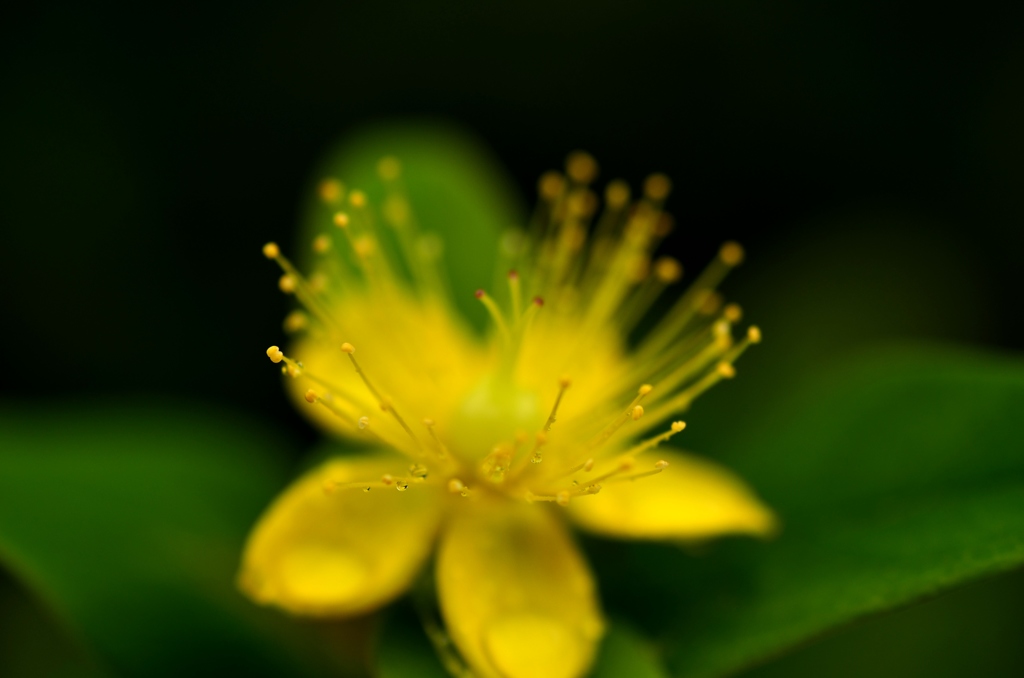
(456, 189)
(624, 652)
(127, 521)
(896, 477)
(403, 649)
(33, 643)
(973, 630)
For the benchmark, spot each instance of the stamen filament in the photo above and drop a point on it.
(515, 288)
(385, 404)
(658, 468)
(302, 289)
(563, 386)
(631, 412)
(650, 443)
(496, 315)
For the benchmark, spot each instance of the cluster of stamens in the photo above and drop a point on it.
(595, 270)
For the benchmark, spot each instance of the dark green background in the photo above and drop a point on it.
(868, 154)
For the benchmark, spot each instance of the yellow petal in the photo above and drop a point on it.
(517, 597)
(345, 552)
(691, 499)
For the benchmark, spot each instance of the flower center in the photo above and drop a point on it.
(497, 403)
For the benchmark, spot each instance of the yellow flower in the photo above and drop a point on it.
(486, 449)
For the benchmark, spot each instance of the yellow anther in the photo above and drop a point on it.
(668, 270)
(387, 479)
(581, 167)
(731, 254)
(271, 250)
(357, 198)
(317, 283)
(726, 370)
(275, 354)
(678, 426)
(321, 244)
(456, 486)
(348, 348)
(711, 302)
(296, 321)
(541, 437)
(645, 389)
(733, 313)
(588, 465)
(616, 194)
(661, 464)
(428, 422)
(754, 334)
(551, 185)
(581, 204)
(562, 498)
(637, 412)
(286, 284)
(388, 168)
(341, 220)
(627, 463)
(311, 396)
(329, 486)
(664, 225)
(565, 381)
(657, 187)
(330, 190)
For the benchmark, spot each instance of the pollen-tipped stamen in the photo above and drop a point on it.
(300, 286)
(631, 413)
(385, 404)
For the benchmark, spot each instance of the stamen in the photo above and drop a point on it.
(562, 495)
(729, 256)
(357, 199)
(539, 441)
(442, 450)
(292, 281)
(296, 321)
(563, 384)
(275, 354)
(330, 190)
(658, 468)
(385, 404)
(625, 464)
(657, 187)
(634, 412)
(581, 167)
(496, 315)
(387, 480)
(516, 292)
(456, 486)
(585, 466)
(321, 243)
(650, 443)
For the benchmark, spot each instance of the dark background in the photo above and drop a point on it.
(149, 151)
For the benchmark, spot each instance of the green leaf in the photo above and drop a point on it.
(897, 477)
(404, 650)
(128, 521)
(624, 652)
(456, 190)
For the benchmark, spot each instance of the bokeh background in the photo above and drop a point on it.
(867, 154)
